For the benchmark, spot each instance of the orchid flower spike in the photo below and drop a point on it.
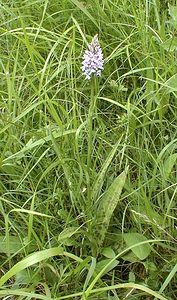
(93, 59)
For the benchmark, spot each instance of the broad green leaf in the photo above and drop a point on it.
(14, 245)
(107, 206)
(108, 252)
(102, 264)
(26, 277)
(170, 44)
(171, 84)
(150, 266)
(131, 277)
(67, 233)
(130, 256)
(169, 163)
(133, 238)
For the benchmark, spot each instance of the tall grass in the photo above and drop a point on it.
(88, 176)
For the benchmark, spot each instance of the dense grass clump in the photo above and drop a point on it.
(88, 168)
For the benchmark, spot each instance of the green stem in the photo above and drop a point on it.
(90, 127)
(91, 112)
(91, 117)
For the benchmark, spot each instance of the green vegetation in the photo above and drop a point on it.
(88, 168)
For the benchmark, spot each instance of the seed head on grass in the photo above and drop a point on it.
(93, 59)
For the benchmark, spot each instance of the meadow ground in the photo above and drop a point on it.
(88, 167)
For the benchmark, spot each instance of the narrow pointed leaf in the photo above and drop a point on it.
(99, 182)
(107, 206)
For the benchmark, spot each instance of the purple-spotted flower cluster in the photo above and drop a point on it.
(93, 59)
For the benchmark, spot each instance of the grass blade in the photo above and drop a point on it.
(30, 261)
